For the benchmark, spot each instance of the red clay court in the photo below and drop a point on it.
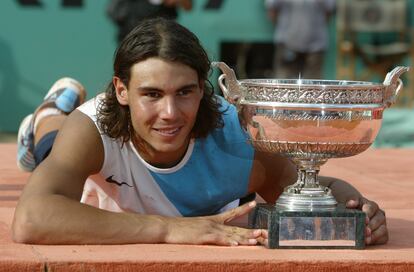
(384, 175)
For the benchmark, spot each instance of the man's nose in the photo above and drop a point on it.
(169, 108)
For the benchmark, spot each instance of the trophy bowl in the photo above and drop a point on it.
(310, 121)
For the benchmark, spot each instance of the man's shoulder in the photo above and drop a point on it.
(228, 110)
(231, 137)
(90, 106)
(79, 141)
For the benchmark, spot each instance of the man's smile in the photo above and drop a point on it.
(168, 131)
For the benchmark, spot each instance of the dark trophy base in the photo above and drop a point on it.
(340, 228)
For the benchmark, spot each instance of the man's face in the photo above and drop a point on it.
(163, 98)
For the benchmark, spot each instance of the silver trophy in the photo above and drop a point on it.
(310, 121)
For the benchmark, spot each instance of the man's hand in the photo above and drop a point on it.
(376, 231)
(185, 4)
(213, 229)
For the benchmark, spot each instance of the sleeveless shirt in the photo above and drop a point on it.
(211, 177)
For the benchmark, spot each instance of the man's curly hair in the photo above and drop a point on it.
(169, 41)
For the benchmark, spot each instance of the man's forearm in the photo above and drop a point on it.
(186, 4)
(342, 190)
(57, 219)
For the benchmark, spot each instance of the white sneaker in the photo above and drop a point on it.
(62, 98)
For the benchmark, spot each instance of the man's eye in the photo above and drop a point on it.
(152, 94)
(184, 92)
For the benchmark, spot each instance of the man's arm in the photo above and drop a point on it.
(376, 230)
(49, 211)
(187, 5)
(271, 173)
(342, 190)
(272, 8)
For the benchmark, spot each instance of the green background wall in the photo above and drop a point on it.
(41, 44)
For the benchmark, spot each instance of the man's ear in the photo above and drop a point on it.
(121, 91)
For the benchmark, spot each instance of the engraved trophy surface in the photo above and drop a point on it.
(310, 121)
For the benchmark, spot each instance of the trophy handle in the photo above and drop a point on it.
(228, 82)
(393, 85)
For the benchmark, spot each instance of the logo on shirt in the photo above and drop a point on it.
(110, 180)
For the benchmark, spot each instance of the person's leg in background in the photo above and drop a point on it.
(279, 66)
(313, 66)
(287, 63)
(37, 131)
